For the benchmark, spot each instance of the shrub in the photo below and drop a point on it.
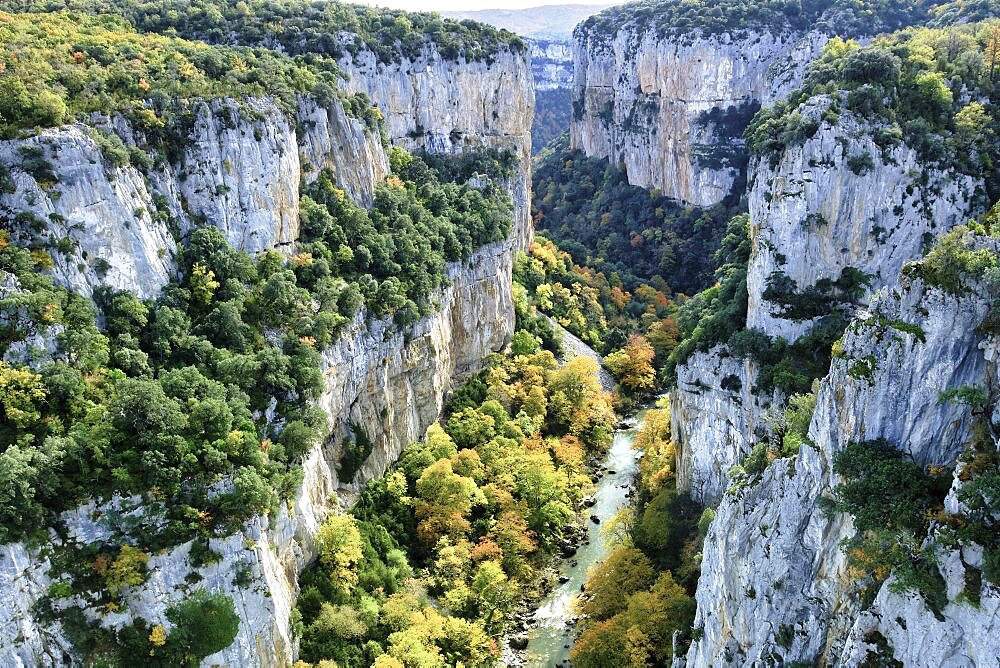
(891, 499)
(954, 263)
(204, 623)
(873, 65)
(861, 163)
(883, 489)
(127, 570)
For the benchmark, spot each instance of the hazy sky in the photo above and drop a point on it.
(462, 5)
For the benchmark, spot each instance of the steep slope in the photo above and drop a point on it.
(548, 32)
(837, 205)
(446, 106)
(867, 537)
(243, 166)
(795, 594)
(240, 171)
(666, 88)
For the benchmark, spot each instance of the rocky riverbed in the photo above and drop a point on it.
(542, 635)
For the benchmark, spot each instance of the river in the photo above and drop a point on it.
(551, 635)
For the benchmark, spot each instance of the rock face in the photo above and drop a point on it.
(672, 110)
(820, 209)
(551, 63)
(240, 172)
(788, 595)
(713, 416)
(106, 212)
(813, 213)
(394, 383)
(445, 106)
(328, 135)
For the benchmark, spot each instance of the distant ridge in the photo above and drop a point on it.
(549, 21)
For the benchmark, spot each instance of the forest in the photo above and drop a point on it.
(588, 208)
(682, 19)
(309, 28)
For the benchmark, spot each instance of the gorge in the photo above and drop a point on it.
(309, 357)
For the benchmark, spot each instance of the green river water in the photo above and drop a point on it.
(551, 635)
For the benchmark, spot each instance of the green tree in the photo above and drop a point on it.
(204, 623)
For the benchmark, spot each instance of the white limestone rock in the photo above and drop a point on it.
(779, 531)
(671, 110)
(333, 140)
(104, 211)
(812, 214)
(240, 173)
(714, 413)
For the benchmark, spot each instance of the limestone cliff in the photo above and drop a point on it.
(394, 383)
(446, 106)
(789, 597)
(551, 63)
(818, 208)
(714, 413)
(671, 109)
(241, 171)
(813, 213)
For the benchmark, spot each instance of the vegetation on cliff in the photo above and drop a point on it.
(932, 89)
(912, 81)
(200, 401)
(300, 27)
(170, 394)
(683, 19)
(58, 67)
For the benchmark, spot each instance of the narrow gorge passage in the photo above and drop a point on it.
(551, 637)
(319, 321)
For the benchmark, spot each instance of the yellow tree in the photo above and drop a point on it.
(21, 391)
(633, 364)
(339, 543)
(444, 500)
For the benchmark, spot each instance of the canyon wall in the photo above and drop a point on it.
(551, 63)
(393, 383)
(813, 214)
(671, 109)
(446, 106)
(241, 173)
(789, 596)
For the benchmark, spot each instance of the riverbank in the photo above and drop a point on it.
(551, 622)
